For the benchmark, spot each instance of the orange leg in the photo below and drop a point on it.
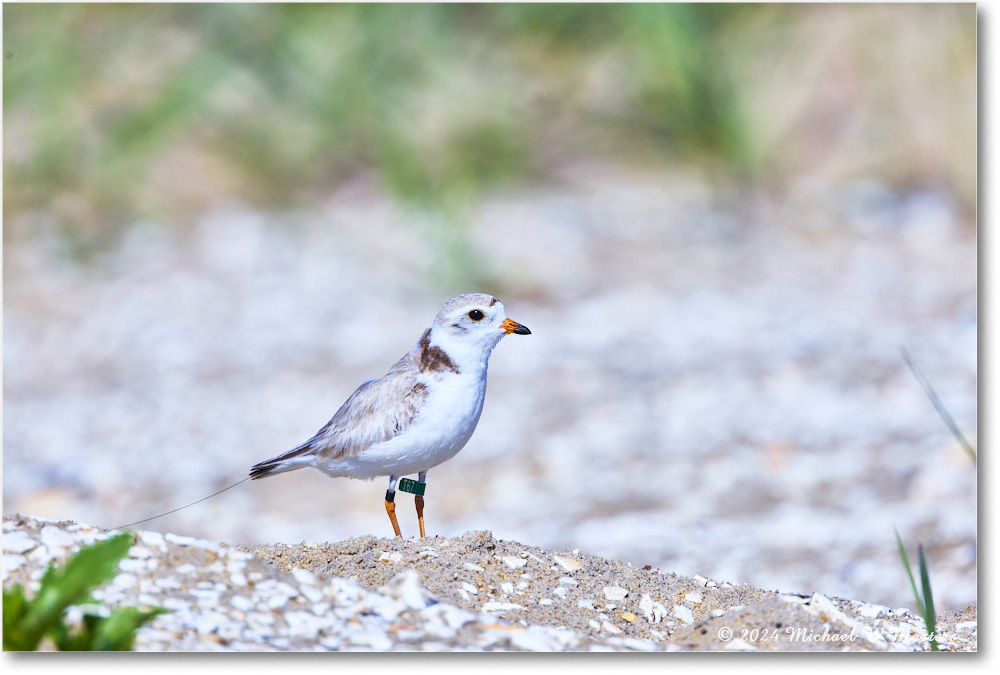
(390, 505)
(419, 501)
(390, 508)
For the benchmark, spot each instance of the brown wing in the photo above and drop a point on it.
(377, 411)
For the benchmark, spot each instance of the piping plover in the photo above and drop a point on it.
(419, 414)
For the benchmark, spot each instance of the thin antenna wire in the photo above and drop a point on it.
(139, 522)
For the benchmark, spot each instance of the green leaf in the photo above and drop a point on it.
(61, 637)
(71, 585)
(15, 606)
(117, 632)
(930, 619)
(25, 622)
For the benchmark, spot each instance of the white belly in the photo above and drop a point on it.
(444, 425)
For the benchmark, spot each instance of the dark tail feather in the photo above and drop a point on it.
(263, 469)
(280, 463)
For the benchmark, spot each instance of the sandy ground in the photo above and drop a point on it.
(469, 593)
(600, 595)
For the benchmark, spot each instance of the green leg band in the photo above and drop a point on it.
(412, 486)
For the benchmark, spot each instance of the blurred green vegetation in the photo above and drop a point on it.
(27, 622)
(114, 113)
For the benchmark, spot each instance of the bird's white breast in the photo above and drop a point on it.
(441, 428)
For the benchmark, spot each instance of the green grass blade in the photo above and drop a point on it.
(939, 406)
(930, 620)
(909, 573)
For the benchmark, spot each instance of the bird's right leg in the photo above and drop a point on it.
(390, 504)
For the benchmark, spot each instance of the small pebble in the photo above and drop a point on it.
(500, 606)
(872, 611)
(638, 644)
(615, 592)
(11, 563)
(683, 613)
(608, 627)
(130, 565)
(533, 640)
(568, 564)
(534, 557)
(154, 539)
(139, 551)
(312, 593)
(56, 538)
(653, 611)
(305, 577)
(241, 603)
(18, 542)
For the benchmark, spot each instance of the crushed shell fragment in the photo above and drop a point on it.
(568, 564)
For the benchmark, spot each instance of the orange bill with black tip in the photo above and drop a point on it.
(511, 326)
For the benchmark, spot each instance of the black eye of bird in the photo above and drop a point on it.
(476, 315)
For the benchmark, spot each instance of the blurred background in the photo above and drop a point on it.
(721, 223)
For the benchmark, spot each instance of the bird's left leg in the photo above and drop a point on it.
(419, 501)
(416, 488)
